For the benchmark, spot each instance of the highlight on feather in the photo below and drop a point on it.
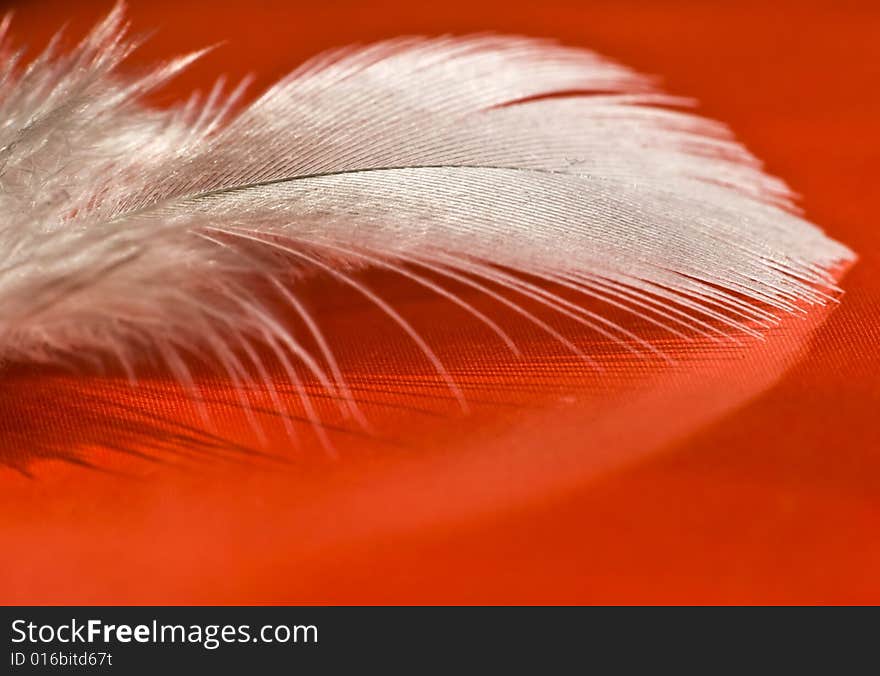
(508, 165)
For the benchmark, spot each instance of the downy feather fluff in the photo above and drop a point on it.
(125, 228)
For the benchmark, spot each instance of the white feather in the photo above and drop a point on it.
(126, 228)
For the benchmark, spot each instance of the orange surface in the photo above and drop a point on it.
(738, 474)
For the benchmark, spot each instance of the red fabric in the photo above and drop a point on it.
(741, 474)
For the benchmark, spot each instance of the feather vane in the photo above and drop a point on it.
(480, 159)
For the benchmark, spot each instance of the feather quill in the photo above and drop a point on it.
(495, 162)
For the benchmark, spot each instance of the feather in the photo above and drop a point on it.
(509, 165)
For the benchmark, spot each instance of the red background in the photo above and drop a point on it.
(740, 475)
